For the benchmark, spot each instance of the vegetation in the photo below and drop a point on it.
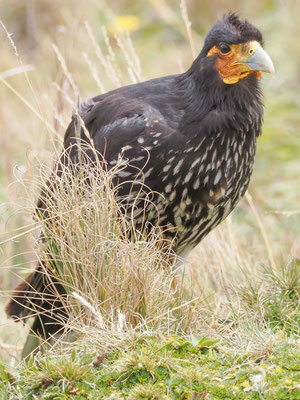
(229, 326)
(152, 368)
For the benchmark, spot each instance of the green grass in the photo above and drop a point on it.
(157, 368)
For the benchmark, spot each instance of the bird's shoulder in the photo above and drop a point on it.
(140, 115)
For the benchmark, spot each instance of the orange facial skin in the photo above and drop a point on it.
(230, 66)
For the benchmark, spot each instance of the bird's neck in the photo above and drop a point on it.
(204, 93)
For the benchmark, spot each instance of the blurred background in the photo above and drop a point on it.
(70, 48)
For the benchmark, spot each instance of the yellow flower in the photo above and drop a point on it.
(124, 22)
(246, 384)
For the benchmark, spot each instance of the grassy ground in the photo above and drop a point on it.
(241, 286)
(152, 368)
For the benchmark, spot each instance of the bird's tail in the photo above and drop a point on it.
(38, 296)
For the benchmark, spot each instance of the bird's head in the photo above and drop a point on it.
(234, 48)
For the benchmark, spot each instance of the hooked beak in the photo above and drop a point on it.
(259, 61)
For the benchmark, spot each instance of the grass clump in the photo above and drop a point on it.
(274, 298)
(116, 279)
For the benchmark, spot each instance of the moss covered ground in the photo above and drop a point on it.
(162, 369)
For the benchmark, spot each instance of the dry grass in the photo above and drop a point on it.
(95, 251)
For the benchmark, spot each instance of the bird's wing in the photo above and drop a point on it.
(132, 129)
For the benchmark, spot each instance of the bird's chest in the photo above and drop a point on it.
(204, 187)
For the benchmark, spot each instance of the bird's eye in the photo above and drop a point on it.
(224, 48)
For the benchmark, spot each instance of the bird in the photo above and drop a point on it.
(192, 136)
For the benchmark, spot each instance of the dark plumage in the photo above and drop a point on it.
(193, 136)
